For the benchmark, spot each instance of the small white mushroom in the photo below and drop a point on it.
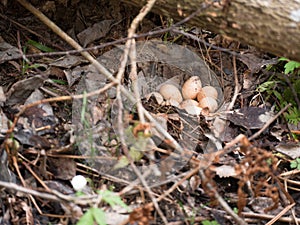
(169, 91)
(207, 91)
(191, 87)
(78, 182)
(210, 103)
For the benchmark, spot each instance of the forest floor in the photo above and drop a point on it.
(83, 144)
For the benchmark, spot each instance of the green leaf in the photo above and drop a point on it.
(122, 162)
(235, 209)
(99, 216)
(293, 164)
(86, 219)
(112, 199)
(59, 81)
(135, 154)
(207, 222)
(278, 95)
(266, 86)
(293, 116)
(291, 66)
(283, 59)
(84, 107)
(40, 46)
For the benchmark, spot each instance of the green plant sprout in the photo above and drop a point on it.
(138, 145)
(39, 46)
(207, 222)
(97, 215)
(295, 164)
(276, 87)
(92, 215)
(290, 66)
(62, 82)
(25, 65)
(84, 119)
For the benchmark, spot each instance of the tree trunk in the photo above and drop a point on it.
(271, 25)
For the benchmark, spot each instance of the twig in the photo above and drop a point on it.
(126, 152)
(56, 99)
(222, 202)
(46, 40)
(13, 186)
(36, 176)
(121, 40)
(279, 215)
(194, 37)
(65, 37)
(54, 196)
(266, 217)
(174, 186)
(134, 79)
(236, 85)
(101, 69)
(269, 122)
(130, 45)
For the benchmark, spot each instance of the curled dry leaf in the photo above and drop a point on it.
(225, 171)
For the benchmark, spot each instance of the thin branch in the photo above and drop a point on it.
(269, 122)
(56, 99)
(135, 84)
(130, 45)
(236, 86)
(100, 68)
(15, 187)
(121, 40)
(222, 202)
(194, 37)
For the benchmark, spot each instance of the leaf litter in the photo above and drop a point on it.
(49, 157)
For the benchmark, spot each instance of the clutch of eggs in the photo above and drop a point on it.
(192, 97)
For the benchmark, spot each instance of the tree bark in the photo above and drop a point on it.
(270, 25)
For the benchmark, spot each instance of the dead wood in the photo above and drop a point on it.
(268, 25)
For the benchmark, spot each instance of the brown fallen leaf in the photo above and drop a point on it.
(21, 90)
